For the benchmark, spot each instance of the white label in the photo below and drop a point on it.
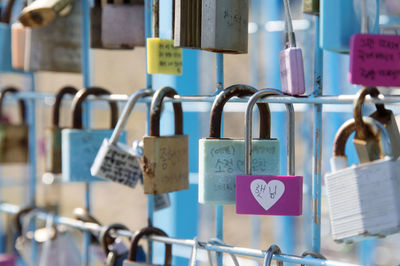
(267, 194)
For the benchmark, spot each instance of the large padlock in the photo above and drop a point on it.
(5, 37)
(224, 20)
(117, 161)
(269, 194)
(165, 161)
(53, 134)
(14, 138)
(369, 149)
(363, 199)
(311, 7)
(79, 146)
(123, 24)
(187, 24)
(222, 159)
(133, 251)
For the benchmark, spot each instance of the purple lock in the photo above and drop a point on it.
(269, 194)
(8, 260)
(292, 71)
(375, 60)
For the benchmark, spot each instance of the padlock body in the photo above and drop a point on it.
(5, 47)
(374, 60)
(224, 26)
(311, 7)
(8, 260)
(269, 195)
(187, 29)
(18, 39)
(79, 149)
(122, 26)
(161, 201)
(292, 71)
(363, 200)
(53, 150)
(163, 57)
(368, 150)
(14, 144)
(221, 160)
(117, 163)
(165, 164)
(95, 27)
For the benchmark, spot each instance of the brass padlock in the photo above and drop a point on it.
(165, 162)
(367, 142)
(311, 7)
(14, 144)
(53, 134)
(187, 24)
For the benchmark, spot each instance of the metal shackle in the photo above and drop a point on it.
(149, 231)
(313, 254)
(289, 129)
(81, 96)
(22, 105)
(57, 104)
(126, 112)
(274, 249)
(349, 127)
(155, 113)
(240, 91)
(106, 239)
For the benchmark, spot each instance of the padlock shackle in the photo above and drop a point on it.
(149, 231)
(348, 127)
(224, 96)
(274, 249)
(22, 105)
(155, 112)
(123, 119)
(290, 130)
(313, 254)
(106, 239)
(81, 96)
(6, 18)
(57, 104)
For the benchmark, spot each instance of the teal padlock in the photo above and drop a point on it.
(222, 159)
(80, 146)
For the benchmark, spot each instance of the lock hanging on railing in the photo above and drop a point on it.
(311, 7)
(363, 199)
(269, 194)
(146, 232)
(114, 248)
(53, 134)
(80, 146)
(222, 159)
(117, 161)
(14, 138)
(187, 24)
(165, 162)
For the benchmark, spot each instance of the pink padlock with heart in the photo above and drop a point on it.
(269, 194)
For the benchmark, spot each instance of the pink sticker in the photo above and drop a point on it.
(375, 60)
(269, 195)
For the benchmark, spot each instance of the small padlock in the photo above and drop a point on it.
(385, 117)
(363, 199)
(117, 161)
(123, 25)
(224, 20)
(18, 43)
(14, 138)
(187, 24)
(291, 60)
(311, 7)
(80, 146)
(165, 162)
(133, 251)
(222, 159)
(115, 250)
(53, 134)
(269, 194)
(95, 25)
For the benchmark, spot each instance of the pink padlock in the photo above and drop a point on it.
(8, 260)
(269, 194)
(18, 42)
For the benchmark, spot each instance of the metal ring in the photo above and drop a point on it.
(274, 249)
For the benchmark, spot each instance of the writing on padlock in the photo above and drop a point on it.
(161, 201)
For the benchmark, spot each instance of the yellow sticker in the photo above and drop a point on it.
(163, 57)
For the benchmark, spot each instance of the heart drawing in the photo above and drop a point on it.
(267, 194)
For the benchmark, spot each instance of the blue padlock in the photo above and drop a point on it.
(80, 146)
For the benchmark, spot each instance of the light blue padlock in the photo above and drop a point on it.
(340, 19)
(222, 159)
(80, 146)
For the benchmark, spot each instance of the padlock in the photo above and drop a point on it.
(162, 56)
(363, 199)
(224, 20)
(117, 161)
(14, 138)
(165, 161)
(369, 149)
(187, 24)
(79, 146)
(269, 194)
(56, 46)
(311, 7)
(53, 134)
(222, 159)
(115, 250)
(41, 12)
(123, 25)
(95, 25)
(5, 37)
(273, 249)
(18, 43)
(146, 232)
(8, 260)
(291, 60)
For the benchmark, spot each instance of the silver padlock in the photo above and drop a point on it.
(116, 161)
(187, 24)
